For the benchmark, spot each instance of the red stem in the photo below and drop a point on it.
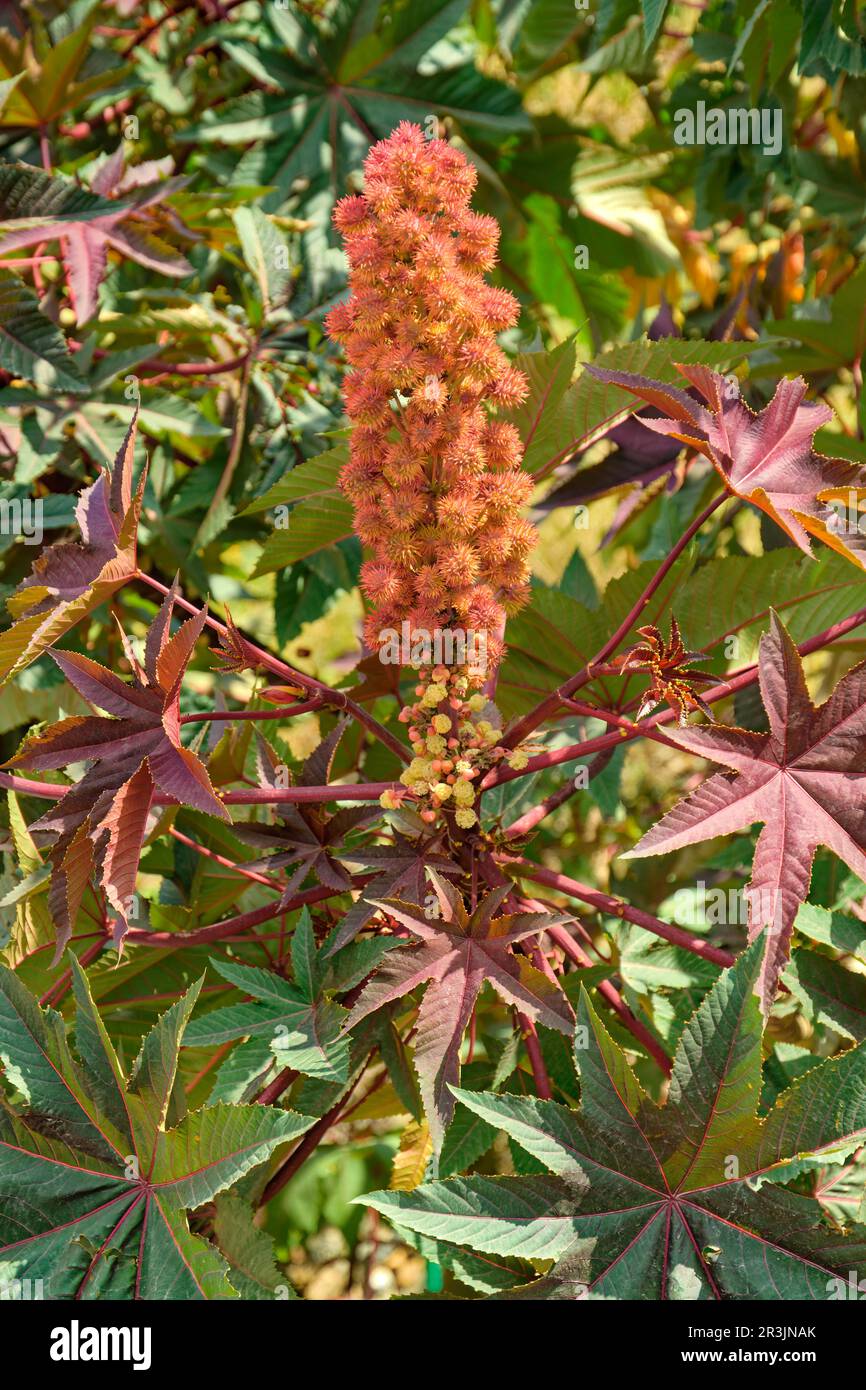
(231, 364)
(616, 907)
(281, 1082)
(337, 699)
(738, 681)
(609, 992)
(551, 703)
(308, 1145)
(543, 1088)
(44, 147)
(226, 863)
(285, 712)
(256, 796)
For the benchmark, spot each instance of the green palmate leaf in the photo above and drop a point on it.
(575, 300)
(249, 1251)
(304, 1034)
(309, 527)
(325, 95)
(660, 1202)
(33, 929)
(163, 413)
(94, 1180)
(653, 14)
(837, 340)
(7, 87)
(28, 195)
(48, 81)
(316, 477)
(830, 993)
(825, 46)
(646, 964)
(734, 595)
(558, 419)
(468, 1139)
(485, 1273)
(266, 254)
(847, 934)
(300, 1022)
(30, 345)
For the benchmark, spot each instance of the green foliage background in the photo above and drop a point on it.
(265, 112)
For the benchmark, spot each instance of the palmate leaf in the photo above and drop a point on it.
(309, 839)
(28, 194)
(559, 417)
(401, 870)
(72, 578)
(100, 822)
(97, 1169)
(653, 14)
(555, 634)
(324, 95)
(767, 458)
(312, 525)
(33, 928)
(320, 515)
(314, 478)
(264, 250)
(249, 1251)
(804, 779)
(828, 44)
(826, 343)
(829, 993)
(31, 346)
(128, 228)
(459, 951)
(48, 84)
(300, 1020)
(660, 1202)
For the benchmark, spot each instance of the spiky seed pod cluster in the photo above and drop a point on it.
(454, 741)
(433, 474)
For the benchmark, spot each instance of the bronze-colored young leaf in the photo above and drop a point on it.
(768, 458)
(100, 822)
(72, 578)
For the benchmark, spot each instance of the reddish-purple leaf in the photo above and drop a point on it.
(458, 952)
(101, 821)
(805, 780)
(767, 458)
(309, 838)
(131, 230)
(72, 578)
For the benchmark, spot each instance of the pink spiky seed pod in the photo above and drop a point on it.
(434, 474)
